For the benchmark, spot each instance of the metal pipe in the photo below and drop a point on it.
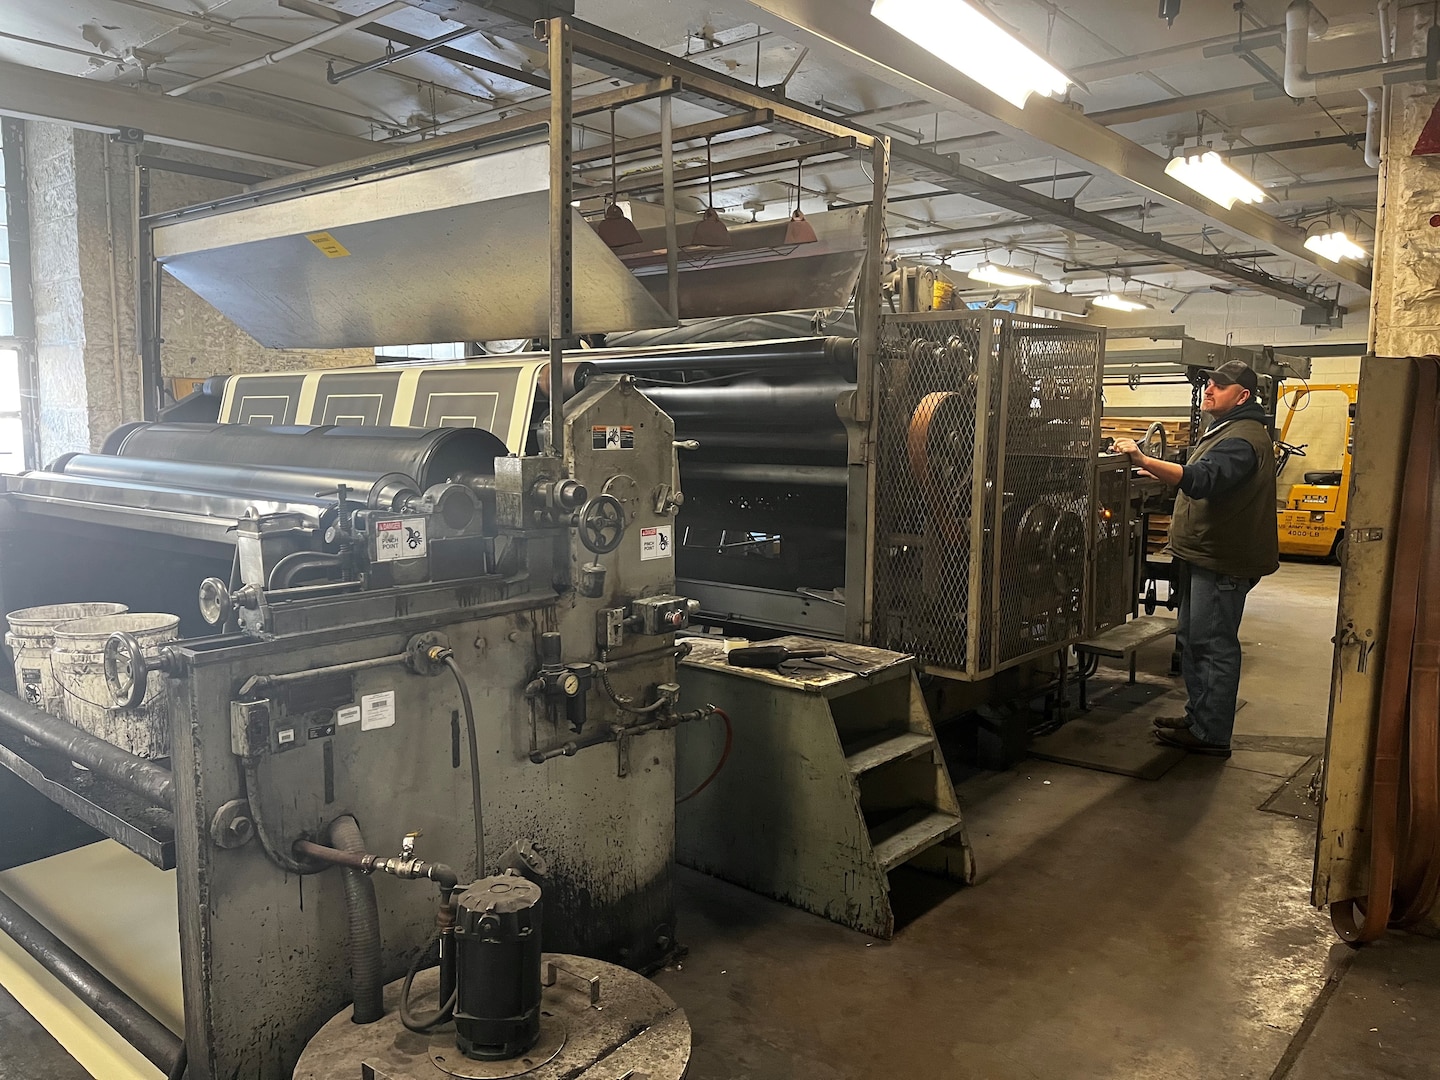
(1373, 100)
(104, 759)
(409, 869)
(258, 683)
(291, 50)
(817, 475)
(160, 1046)
(332, 76)
(1300, 82)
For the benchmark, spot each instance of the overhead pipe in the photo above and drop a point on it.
(291, 50)
(332, 76)
(159, 1045)
(1300, 82)
(1373, 99)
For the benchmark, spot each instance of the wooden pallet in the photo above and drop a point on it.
(1177, 432)
(1158, 533)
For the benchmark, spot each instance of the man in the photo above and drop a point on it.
(1223, 540)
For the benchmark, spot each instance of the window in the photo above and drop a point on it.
(12, 432)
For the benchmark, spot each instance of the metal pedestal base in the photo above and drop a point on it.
(634, 1026)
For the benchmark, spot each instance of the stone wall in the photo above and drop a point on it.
(83, 198)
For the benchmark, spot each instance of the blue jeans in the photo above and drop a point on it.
(1208, 634)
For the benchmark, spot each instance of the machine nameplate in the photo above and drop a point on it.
(400, 538)
(377, 711)
(655, 543)
(348, 715)
(612, 438)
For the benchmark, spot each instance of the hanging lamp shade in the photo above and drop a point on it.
(616, 229)
(799, 231)
(710, 231)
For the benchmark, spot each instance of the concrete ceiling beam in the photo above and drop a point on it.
(32, 94)
(868, 45)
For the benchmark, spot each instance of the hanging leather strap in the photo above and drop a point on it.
(1392, 733)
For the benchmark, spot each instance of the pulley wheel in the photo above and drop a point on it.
(1066, 548)
(1032, 541)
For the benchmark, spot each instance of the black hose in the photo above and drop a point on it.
(422, 1025)
(279, 857)
(474, 765)
(362, 927)
(154, 1040)
(104, 759)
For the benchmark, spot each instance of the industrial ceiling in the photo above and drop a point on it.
(1074, 189)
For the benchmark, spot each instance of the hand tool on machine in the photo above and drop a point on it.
(770, 656)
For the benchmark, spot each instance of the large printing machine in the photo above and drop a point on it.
(410, 631)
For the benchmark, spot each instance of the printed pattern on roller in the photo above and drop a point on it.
(983, 516)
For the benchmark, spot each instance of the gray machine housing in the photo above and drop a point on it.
(272, 697)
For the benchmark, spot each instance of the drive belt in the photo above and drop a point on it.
(1405, 765)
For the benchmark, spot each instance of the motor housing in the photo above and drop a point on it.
(497, 968)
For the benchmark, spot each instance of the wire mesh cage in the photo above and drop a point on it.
(984, 525)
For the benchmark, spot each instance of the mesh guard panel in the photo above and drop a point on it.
(983, 516)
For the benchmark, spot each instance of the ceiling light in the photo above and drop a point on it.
(1208, 174)
(1335, 246)
(975, 45)
(995, 274)
(1116, 302)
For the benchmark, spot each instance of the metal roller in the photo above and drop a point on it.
(388, 491)
(816, 475)
(794, 354)
(751, 405)
(429, 456)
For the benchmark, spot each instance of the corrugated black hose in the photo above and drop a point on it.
(362, 931)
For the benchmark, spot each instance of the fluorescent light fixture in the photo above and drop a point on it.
(974, 44)
(1116, 302)
(995, 274)
(1335, 246)
(1208, 174)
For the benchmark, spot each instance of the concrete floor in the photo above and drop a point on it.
(1119, 928)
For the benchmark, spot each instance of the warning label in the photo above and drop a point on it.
(612, 438)
(328, 245)
(655, 543)
(400, 538)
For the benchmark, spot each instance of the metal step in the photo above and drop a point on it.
(906, 835)
(883, 749)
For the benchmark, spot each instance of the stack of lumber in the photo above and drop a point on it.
(1157, 535)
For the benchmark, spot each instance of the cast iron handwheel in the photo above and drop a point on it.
(125, 670)
(1150, 599)
(601, 522)
(1032, 540)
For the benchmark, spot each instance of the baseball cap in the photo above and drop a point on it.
(1235, 371)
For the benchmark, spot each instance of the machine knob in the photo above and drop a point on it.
(601, 522)
(216, 604)
(569, 494)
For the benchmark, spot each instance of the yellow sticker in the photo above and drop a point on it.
(328, 245)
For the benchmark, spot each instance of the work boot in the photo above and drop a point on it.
(1185, 739)
(1171, 723)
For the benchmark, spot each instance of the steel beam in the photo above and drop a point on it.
(724, 125)
(847, 25)
(33, 94)
(800, 152)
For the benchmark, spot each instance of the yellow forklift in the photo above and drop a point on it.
(1312, 518)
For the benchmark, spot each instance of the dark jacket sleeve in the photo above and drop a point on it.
(1224, 468)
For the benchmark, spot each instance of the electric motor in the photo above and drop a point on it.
(497, 968)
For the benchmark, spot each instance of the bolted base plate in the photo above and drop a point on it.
(633, 1026)
(447, 1058)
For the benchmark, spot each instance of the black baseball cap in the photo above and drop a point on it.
(1235, 371)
